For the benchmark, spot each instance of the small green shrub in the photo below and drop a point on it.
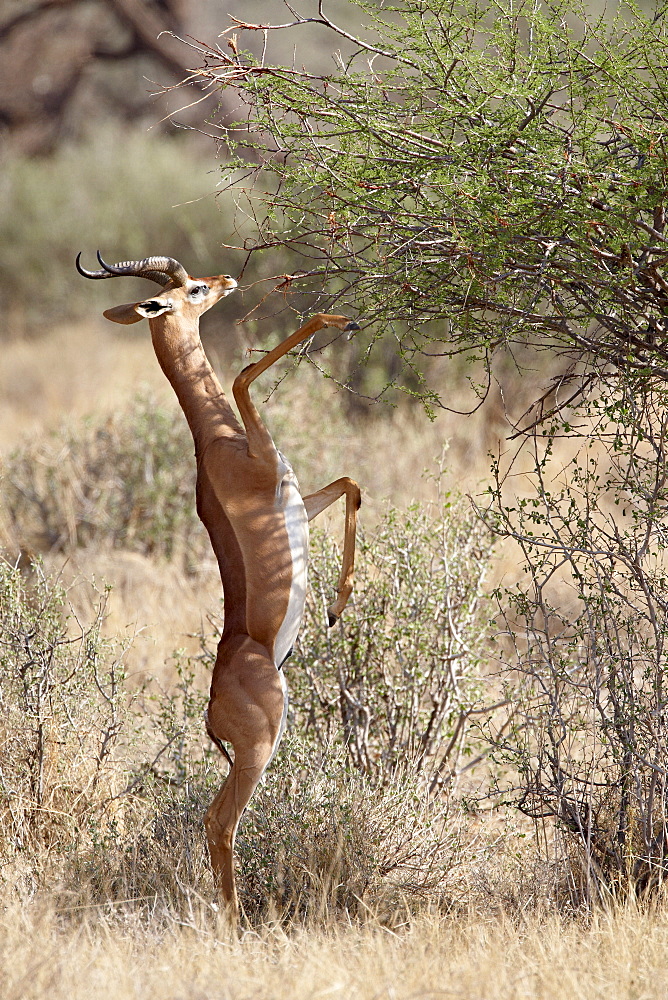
(101, 790)
(396, 678)
(63, 708)
(320, 837)
(126, 482)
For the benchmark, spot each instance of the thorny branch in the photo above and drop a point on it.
(465, 188)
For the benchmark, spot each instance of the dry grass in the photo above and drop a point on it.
(621, 955)
(76, 370)
(153, 603)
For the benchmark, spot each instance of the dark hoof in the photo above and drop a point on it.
(351, 326)
(332, 618)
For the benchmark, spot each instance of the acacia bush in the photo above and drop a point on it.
(468, 176)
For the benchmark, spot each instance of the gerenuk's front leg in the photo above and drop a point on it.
(259, 441)
(315, 503)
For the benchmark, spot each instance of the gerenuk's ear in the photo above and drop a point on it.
(123, 314)
(154, 307)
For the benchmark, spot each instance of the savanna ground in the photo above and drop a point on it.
(354, 884)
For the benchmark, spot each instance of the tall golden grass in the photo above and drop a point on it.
(469, 955)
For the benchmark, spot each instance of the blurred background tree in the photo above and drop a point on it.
(67, 64)
(100, 146)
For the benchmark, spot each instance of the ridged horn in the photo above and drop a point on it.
(159, 269)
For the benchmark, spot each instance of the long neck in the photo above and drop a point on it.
(181, 356)
(179, 351)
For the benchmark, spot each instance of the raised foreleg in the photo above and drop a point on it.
(258, 436)
(315, 503)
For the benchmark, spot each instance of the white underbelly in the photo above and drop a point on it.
(296, 525)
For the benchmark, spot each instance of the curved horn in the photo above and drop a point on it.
(156, 268)
(90, 274)
(159, 269)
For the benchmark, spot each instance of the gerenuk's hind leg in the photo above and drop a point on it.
(246, 709)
